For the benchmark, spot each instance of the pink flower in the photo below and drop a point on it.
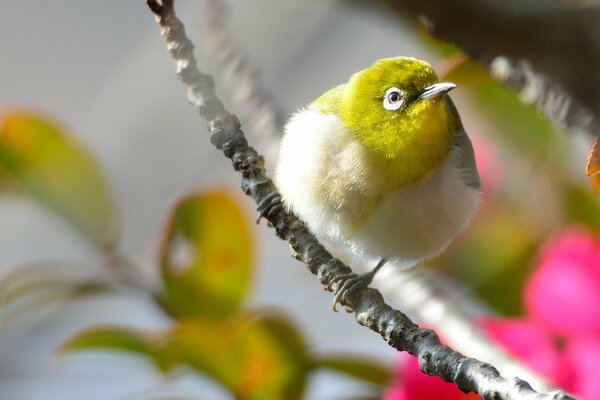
(583, 356)
(561, 298)
(412, 384)
(564, 291)
(528, 340)
(559, 338)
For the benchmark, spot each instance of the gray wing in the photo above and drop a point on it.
(466, 160)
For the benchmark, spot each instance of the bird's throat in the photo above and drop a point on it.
(408, 150)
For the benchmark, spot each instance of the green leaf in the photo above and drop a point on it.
(36, 285)
(365, 370)
(248, 356)
(110, 338)
(287, 334)
(521, 125)
(583, 206)
(462, 70)
(49, 166)
(206, 256)
(442, 47)
(239, 353)
(493, 259)
(291, 341)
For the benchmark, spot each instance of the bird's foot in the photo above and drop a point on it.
(269, 205)
(350, 283)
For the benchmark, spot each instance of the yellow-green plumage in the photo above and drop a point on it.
(395, 139)
(390, 180)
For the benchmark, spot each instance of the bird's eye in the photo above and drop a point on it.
(393, 99)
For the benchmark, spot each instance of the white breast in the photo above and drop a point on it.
(322, 177)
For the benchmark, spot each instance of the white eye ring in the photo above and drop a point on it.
(393, 99)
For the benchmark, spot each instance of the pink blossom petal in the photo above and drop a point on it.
(564, 294)
(578, 245)
(395, 392)
(412, 384)
(583, 355)
(528, 341)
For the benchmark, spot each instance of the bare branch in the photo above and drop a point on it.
(370, 309)
(262, 118)
(438, 301)
(564, 110)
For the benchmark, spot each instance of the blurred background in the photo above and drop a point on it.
(130, 263)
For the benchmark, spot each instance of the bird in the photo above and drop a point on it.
(380, 165)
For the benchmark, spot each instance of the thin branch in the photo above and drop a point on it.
(440, 302)
(261, 116)
(370, 309)
(550, 98)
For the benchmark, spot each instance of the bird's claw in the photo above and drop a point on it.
(351, 283)
(269, 205)
(336, 279)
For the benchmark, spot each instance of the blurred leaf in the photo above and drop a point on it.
(461, 70)
(442, 47)
(287, 334)
(240, 353)
(37, 285)
(493, 260)
(206, 256)
(111, 338)
(583, 206)
(291, 341)
(368, 371)
(243, 355)
(49, 166)
(520, 124)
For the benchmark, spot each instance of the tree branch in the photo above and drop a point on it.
(370, 309)
(262, 118)
(443, 303)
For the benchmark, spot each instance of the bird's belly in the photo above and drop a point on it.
(418, 222)
(324, 181)
(408, 225)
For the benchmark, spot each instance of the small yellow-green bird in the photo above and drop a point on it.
(381, 165)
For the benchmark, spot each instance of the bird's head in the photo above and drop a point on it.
(401, 114)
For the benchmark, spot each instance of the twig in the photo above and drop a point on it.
(440, 302)
(261, 116)
(370, 309)
(561, 108)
